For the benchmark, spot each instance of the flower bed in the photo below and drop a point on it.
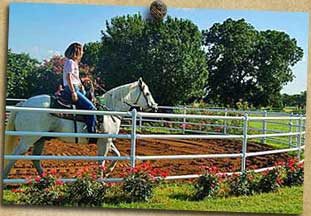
(139, 184)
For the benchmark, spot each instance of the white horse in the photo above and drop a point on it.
(122, 98)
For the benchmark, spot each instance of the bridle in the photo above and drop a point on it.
(135, 105)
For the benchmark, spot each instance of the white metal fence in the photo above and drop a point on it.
(137, 122)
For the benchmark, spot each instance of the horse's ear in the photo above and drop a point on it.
(140, 80)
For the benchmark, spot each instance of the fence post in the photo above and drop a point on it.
(297, 125)
(184, 120)
(299, 137)
(225, 121)
(244, 144)
(140, 123)
(264, 127)
(133, 138)
(290, 142)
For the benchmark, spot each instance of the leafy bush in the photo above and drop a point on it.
(294, 173)
(207, 184)
(244, 184)
(86, 190)
(139, 182)
(42, 190)
(271, 180)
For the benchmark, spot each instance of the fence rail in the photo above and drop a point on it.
(138, 118)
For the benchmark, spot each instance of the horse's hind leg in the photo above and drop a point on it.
(20, 149)
(103, 147)
(37, 150)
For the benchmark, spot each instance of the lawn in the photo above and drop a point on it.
(174, 197)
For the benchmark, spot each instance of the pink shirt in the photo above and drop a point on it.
(71, 67)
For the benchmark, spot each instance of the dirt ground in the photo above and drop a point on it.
(67, 169)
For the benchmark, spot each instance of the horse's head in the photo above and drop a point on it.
(140, 97)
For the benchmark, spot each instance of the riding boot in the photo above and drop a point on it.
(92, 140)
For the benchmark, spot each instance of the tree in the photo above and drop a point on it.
(19, 68)
(168, 56)
(295, 100)
(50, 74)
(246, 64)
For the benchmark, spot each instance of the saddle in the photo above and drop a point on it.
(58, 102)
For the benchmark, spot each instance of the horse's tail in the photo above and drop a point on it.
(10, 141)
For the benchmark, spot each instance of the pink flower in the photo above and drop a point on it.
(102, 167)
(44, 174)
(214, 169)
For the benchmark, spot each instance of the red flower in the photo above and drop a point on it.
(123, 174)
(146, 166)
(94, 176)
(235, 174)
(53, 171)
(133, 170)
(59, 182)
(279, 181)
(37, 178)
(292, 161)
(164, 173)
(44, 174)
(13, 190)
(110, 184)
(29, 182)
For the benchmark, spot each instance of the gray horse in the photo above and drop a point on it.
(122, 98)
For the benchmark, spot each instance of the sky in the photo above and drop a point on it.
(44, 30)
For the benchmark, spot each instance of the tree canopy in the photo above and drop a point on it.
(20, 68)
(168, 55)
(247, 64)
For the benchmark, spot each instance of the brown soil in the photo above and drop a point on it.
(144, 147)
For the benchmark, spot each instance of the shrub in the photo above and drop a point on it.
(42, 190)
(271, 180)
(294, 173)
(207, 184)
(244, 184)
(86, 190)
(140, 181)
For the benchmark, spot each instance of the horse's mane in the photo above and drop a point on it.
(114, 95)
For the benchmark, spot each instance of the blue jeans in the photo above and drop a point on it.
(83, 103)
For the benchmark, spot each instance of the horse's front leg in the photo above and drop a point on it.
(114, 149)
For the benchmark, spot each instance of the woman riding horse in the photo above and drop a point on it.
(73, 88)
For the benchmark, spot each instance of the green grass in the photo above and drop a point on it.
(287, 200)
(176, 197)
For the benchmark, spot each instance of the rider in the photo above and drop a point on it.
(73, 88)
